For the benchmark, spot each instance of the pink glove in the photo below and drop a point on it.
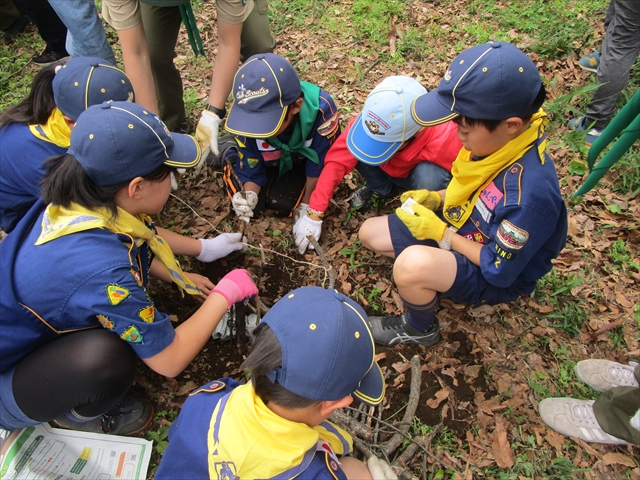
(236, 286)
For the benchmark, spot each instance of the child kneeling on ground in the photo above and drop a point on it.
(311, 355)
(503, 218)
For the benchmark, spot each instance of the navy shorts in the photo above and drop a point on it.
(470, 286)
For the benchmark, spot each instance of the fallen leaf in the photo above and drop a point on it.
(555, 439)
(501, 448)
(401, 367)
(612, 458)
(187, 388)
(439, 398)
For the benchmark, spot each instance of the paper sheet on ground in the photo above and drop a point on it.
(43, 452)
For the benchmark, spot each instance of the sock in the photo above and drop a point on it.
(421, 317)
(76, 417)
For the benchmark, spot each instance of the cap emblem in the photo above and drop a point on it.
(448, 74)
(244, 95)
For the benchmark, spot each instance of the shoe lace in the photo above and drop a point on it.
(392, 323)
(585, 413)
(109, 418)
(620, 374)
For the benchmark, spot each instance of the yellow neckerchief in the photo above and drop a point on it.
(471, 177)
(256, 443)
(56, 130)
(59, 221)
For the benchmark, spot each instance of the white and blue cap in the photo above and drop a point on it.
(86, 81)
(264, 86)
(328, 352)
(116, 142)
(385, 122)
(492, 81)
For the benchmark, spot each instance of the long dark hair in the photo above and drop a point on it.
(66, 182)
(38, 106)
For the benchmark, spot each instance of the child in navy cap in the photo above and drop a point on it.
(312, 354)
(389, 148)
(75, 313)
(284, 128)
(502, 218)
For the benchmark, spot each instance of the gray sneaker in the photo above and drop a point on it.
(395, 329)
(603, 375)
(128, 417)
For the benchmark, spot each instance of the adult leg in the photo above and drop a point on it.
(8, 14)
(49, 25)
(256, 34)
(618, 411)
(620, 49)
(87, 371)
(161, 27)
(86, 36)
(425, 175)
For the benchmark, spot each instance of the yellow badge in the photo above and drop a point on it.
(132, 335)
(105, 322)
(137, 277)
(116, 293)
(147, 314)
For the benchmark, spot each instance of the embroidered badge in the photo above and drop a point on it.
(264, 146)
(105, 322)
(477, 237)
(329, 128)
(454, 213)
(226, 470)
(243, 95)
(132, 335)
(376, 125)
(116, 293)
(491, 196)
(210, 387)
(502, 253)
(484, 211)
(147, 314)
(252, 162)
(136, 276)
(510, 236)
(448, 74)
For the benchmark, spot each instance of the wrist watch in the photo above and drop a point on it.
(445, 243)
(220, 112)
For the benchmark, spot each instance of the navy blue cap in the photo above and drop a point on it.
(492, 81)
(327, 348)
(86, 81)
(385, 122)
(264, 86)
(118, 141)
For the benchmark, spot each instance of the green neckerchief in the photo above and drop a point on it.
(306, 119)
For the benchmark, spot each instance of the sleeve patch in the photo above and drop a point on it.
(116, 293)
(330, 127)
(252, 162)
(147, 314)
(105, 322)
(209, 388)
(512, 237)
(132, 335)
(136, 276)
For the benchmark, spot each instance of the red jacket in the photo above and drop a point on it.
(438, 145)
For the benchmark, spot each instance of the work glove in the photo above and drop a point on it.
(380, 469)
(426, 198)
(244, 206)
(424, 225)
(236, 286)
(302, 227)
(207, 133)
(221, 246)
(300, 211)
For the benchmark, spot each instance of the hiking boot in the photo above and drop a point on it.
(603, 375)
(48, 56)
(575, 418)
(128, 417)
(16, 28)
(395, 329)
(228, 147)
(582, 124)
(591, 62)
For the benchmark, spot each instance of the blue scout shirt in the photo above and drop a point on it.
(21, 169)
(89, 279)
(187, 454)
(256, 155)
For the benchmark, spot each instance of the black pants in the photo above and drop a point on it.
(89, 371)
(49, 25)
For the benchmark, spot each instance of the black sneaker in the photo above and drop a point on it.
(16, 28)
(128, 417)
(361, 199)
(48, 57)
(395, 329)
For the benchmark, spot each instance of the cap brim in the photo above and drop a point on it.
(185, 153)
(371, 388)
(366, 149)
(255, 124)
(427, 110)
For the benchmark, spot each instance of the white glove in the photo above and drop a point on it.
(207, 133)
(244, 206)
(380, 469)
(302, 227)
(221, 246)
(300, 211)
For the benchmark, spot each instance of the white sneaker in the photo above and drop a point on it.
(575, 418)
(603, 375)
